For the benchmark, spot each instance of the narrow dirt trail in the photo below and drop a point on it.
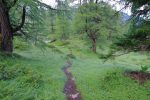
(70, 88)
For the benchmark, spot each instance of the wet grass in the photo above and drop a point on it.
(35, 75)
(105, 81)
(99, 80)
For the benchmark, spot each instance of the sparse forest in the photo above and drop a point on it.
(74, 50)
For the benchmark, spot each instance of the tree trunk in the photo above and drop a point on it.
(80, 2)
(84, 1)
(94, 45)
(0, 37)
(109, 35)
(6, 31)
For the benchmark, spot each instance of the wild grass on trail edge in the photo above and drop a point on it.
(35, 75)
(105, 81)
(32, 76)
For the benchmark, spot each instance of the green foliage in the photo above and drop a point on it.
(62, 43)
(32, 76)
(87, 19)
(8, 73)
(71, 56)
(97, 22)
(21, 44)
(144, 68)
(105, 56)
(96, 18)
(33, 27)
(4, 56)
(5, 74)
(62, 27)
(32, 79)
(97, 80)
(114, 81)
(13, 73)
(137, 4)
(63, 20)
(137, 36)
(55, 49)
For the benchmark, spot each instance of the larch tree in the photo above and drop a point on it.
(13, 24)
(62, 20)
(94, 19)
(138, 36)
(6, 28)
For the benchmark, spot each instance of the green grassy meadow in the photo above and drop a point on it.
(36, 74)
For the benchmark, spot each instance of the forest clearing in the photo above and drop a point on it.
(74, 50)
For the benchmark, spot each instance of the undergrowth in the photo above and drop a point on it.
(31, 75)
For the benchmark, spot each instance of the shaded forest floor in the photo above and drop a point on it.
(33, 74)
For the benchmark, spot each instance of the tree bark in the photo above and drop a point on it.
(0, 36)
(80, 2)
(6, 30)
(84, 1)
(94, 45)
(109, 35)
(93, 39)
(96, 1)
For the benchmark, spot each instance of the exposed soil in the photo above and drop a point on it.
(140, 76)
(70, 88)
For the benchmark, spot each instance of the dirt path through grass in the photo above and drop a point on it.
(70, 88)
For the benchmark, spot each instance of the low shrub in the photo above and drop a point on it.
(20, 44)
(63, 43)
(145, 69)
(55, 49)
(71, 56)
(32, 79)
(7, 73)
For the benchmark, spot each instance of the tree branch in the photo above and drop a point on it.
(13, 4)
(20, 33)
(49, 7)
(45, 5)
(23, 21)
(139, 13)
(96, 1)
(142, 12)
(126, 5)
(113, 55)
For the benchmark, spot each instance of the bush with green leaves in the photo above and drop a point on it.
(54, 48)
(32, 79)
(20, 44)
(145, 68)
(138, 36)
(72, 56)
(7, 73)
